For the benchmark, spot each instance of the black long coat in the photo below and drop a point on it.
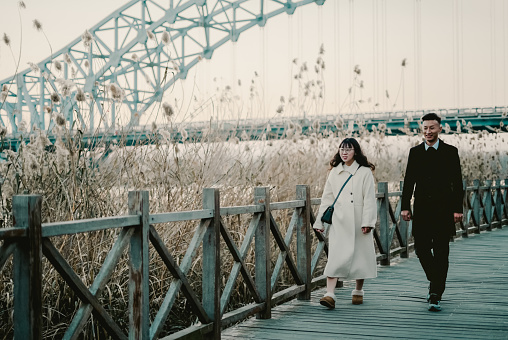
(436, 180)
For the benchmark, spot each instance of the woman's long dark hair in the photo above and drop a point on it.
(359, 157)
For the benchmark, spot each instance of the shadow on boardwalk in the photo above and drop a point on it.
(475, 303)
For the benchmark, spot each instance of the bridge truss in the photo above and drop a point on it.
(130, 58)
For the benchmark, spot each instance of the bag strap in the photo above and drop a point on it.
(343, 185)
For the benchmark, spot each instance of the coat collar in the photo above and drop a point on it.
(435, 146)
(424, 147)
(354, 167)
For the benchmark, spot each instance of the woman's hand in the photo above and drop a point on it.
(319, 230)
(366, 230)
(406, 215)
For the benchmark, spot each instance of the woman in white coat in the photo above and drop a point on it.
(351, 252)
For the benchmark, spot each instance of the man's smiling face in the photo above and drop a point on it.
(431, 130)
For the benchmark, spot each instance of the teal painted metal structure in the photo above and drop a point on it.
(144, 47)
(492, 119)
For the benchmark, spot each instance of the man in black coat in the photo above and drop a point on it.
(433, 173)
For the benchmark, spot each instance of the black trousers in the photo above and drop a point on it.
(432, 248)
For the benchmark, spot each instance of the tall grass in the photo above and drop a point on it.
(78, 183)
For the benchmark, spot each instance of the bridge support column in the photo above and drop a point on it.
(27, 268)
(139, 323)
(303, 241)
(262, 245)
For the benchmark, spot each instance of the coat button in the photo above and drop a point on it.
(351, 193)
(351, 201)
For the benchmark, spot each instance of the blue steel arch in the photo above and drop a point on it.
(143, 47)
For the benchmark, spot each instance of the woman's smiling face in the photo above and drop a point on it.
(347, 153)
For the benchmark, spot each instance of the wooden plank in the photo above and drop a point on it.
(211, 263)
(282, 246)
(87, 225)
(287, 294)
(476, 206)
(192, 333)
(139, 261)
(180, 216)
(170, 263)
(6, 250)
(318, 281)
(392, 223)
(81, 317)
(384, 238)
(7, 233)
(281, 258)
(303, 241)
(498, 202)
(287, 205)
(263, 252)
(322, 245)
(174, 288)
(239, 266)
(74, 282)
(27, 268)
(242, 313)
(247, 241)
(315, 201)
(395, 194)
(473, 304)
(404, 231)
(247, 209)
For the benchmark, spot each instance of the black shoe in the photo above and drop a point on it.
(434, 303)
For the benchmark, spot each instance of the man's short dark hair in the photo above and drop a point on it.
(431, 116)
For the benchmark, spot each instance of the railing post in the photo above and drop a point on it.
(487, 205)
(211, 262)
(27, 269)
(476, 205)
(505, 196)
(303, 241)
(139, 321)
(262, 239)
(466, 219)
(384, 223)
(404, 230)
(499, 204)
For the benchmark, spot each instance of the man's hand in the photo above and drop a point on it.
(457, 217)
(320, 230)
(406, 215)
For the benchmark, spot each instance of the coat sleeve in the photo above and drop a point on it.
(409, 182)
(457, 188)
(326, 200)
(369, 214)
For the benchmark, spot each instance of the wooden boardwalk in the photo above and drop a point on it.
(475, 303)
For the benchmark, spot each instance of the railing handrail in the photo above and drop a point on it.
(485, 207)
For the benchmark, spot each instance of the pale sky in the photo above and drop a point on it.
(462, 53)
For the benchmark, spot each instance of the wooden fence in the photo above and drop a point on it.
(485, 207)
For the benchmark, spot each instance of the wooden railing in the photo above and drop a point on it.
(29, 240)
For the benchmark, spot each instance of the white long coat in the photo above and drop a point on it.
(351, 254)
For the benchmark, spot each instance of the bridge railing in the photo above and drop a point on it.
(269, 238)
